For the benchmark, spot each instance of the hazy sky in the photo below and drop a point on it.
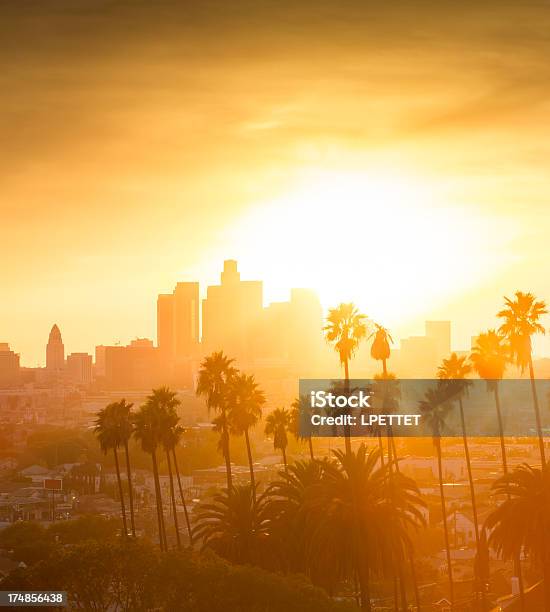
(142, 142)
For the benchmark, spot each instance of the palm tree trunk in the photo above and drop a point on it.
(537, 411)
(364, 588)
(226, 454)
(310, 444)
(384, 368)
(399, 577)
(445, 527)
(187, 521)
(121, 493)
(347, 432)
(517, 560)
(283, 450)
(173, 499)
(480, 591)
(250, 465)
(500, 429)
(158, 497)
(381, 447)
(130, 489)
(410, 550)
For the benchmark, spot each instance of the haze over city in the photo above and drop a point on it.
(145, 144)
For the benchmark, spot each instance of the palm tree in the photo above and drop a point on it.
(235, 527)
(489, 357)
(149, 423)
(521, 321)
(113, 429)
(353, 527)
(434, 408)
(454, 371)
(345, 328)
(286, 509)
(214, 383)
(246, 400)
(167, 402)
(380, 347)
(277, 424)
(522, 522)
(298, 407)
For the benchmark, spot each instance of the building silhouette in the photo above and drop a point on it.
(9, 366)
(55, 352)
(231, 313)
(79, 368)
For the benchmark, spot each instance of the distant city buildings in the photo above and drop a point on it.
(79, 368)
(55, 352)
(9, 366)
(231, 314)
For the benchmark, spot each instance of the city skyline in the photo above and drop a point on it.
(123, 173)
(200, 292)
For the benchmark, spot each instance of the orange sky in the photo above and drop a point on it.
(144, 142)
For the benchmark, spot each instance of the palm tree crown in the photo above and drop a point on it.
(521, 319)
(345, 328)
(490, 354)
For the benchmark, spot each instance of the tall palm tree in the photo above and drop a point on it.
(344, 329)
(148, 430)
(489, 357)
(299, 405)
(380, 347)
(277, 424)
(246, 401)
(214, 383)
(521, 321)
(113, 429)
(235, 527)
(454, 371)
(522, 522)
(434, 409)
(167, 402)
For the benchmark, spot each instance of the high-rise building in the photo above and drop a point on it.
(178, 330)
(165, 324)
(230, 314)
(79, 368)
(186, 320)
(9, 366)
(55, 351)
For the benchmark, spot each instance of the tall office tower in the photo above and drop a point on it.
(440, 333)
(230, 314)
(185, 320)
(9, 366)
(55, 351)
(165, 324)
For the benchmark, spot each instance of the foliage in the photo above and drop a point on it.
(131, 576)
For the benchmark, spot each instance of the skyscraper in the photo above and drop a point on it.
(165, 325)
(186, 320)
(9, 366)
(55, 351)
(230, 314)
(178, 322)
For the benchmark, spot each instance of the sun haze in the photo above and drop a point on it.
(388, 154)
